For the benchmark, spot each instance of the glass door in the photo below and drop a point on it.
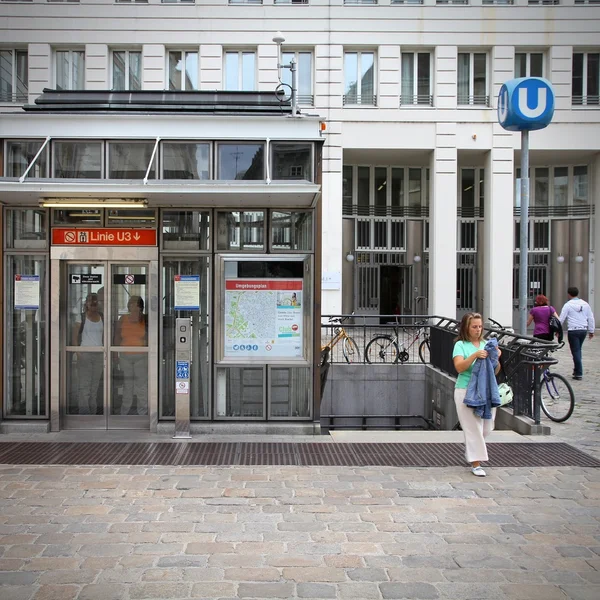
(105, 341)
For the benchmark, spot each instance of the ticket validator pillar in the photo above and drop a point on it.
(183, 355)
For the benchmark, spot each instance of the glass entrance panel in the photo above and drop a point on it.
(26, 313)
(85, 338)
(173, 269)
(129, 349)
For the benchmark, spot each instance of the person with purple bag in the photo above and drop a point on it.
(540, 315)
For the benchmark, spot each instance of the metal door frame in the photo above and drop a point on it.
(59, 256)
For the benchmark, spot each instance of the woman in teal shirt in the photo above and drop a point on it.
(467, 349)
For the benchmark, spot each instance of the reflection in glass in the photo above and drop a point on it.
(347, 185)
(561, 186)
(70, 70)
(131, 216)
(292, 230)
(240, 392)
(77, 160)
(130, 160)
(26, 392)
(541, 186)
(290, 392)
(130, 326)
(291, 161)
(127, 70)
(240, 230)
(241, 161)
(185, 161)
(240, 71)
(304, 74)
(183, 70)
(25, 227)
(200, 336)
(186, 229)
(20, 154)
(77, 216)
(85, 330)
(580, 185)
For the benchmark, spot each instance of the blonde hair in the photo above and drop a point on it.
(463, 331)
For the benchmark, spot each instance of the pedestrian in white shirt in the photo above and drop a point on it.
(580, 324)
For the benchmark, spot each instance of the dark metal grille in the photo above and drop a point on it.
(292, 453)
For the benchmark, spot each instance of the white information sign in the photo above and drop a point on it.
(263, 318)
(187, 292)
(331, 280)
(27, 292)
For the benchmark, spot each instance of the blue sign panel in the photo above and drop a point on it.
(525, 104)
(182, 369)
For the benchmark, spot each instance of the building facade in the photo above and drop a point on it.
(397, 135)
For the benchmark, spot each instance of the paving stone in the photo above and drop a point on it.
(56, 592)
(316, 590)
(409, 590)
(533, 592)
(265, 590)
(579, 592)
(160, 590)
(360, 591)
(105, 591)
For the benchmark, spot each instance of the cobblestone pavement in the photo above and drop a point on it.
(582, 430)
(128, 533)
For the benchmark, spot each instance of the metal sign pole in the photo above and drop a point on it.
(524, 231)
(183, 351)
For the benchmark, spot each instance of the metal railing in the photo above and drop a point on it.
(523, 360)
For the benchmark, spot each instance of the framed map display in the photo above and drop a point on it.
(263, 318)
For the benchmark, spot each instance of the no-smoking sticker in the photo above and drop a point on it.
(129, 279)
(70, 237)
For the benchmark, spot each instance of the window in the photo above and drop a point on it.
(545, 2)
(416, 78)
(241, 230)
(20, 153)
(291, 161)
(586, 78)
(77, 160)
(561, 186)
(240, 71)
(304, 74)
(183, 70)
(499, 2)
(13, 75)
(126, 70)
(542, 189)
(245, 1)
(359, 78)
(580, 186)
(529, 64)
(130, 160)
(472, 79)
(185, 160)
(472, 188)
(289, 1)
(240, 161)
(178, 1)
(70, 70)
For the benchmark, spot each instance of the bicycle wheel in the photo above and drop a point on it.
(424, 354)
(558, 398)
(350, 350)
(382, 349)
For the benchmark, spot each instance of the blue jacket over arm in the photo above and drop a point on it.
(482, 391)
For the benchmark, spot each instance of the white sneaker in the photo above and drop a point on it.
(478, 471)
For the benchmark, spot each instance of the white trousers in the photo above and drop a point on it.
(474, 428)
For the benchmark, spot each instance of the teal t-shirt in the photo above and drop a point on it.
(465, 349)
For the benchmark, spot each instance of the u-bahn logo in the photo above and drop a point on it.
(526, 103)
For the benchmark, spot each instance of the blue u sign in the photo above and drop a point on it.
(526, 103)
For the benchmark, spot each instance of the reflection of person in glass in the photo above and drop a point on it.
(90, 365)
(132, 330)
(294, 299)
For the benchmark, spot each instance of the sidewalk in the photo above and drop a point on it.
(135, 532)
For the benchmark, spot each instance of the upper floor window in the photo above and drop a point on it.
(185, 160)
(240, 161)
(500, 2)
(289, 1)
(183, 70)
(77, 159)
(452, 1)
(472, 188)
(359, 78)
(529, 64)
(13, 75)
(472, 79)
(416, 78)
(304, 74)
(177, 1)
(70, 69)
(586, 78)
(546, 2)
(19, 155)
(245, 1)
(126, 70)
(240, 71)
(291, 160)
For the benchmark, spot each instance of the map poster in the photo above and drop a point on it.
(263, 318)
(27, 292)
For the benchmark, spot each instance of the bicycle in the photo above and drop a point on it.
(349, 346)
(384, 348)
(557, 398)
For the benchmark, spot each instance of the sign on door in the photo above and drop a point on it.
(103, 237)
